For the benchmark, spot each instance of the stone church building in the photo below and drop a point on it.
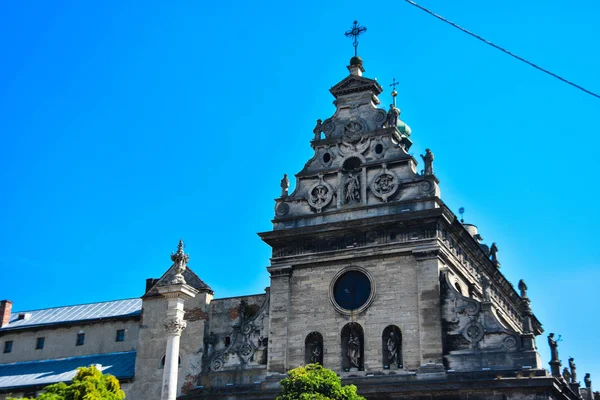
(371, 275)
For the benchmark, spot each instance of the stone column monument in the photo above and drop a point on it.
(176, 292)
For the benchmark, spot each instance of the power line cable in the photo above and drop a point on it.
(502, 49)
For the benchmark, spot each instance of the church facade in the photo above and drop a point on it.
(371, 275)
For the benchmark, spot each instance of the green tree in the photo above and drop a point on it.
(313, 382)
(88, 384)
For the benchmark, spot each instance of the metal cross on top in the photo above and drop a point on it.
(355, 33)
(394, 93)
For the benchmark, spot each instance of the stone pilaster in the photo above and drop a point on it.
(429, 309)
(279, 319)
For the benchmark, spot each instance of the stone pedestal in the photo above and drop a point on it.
(176, 295)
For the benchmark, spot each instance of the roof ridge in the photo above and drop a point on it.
(75, 305)
(70, 358)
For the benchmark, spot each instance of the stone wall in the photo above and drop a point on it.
(399, 287)
(59, 340)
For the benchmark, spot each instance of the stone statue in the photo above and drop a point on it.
(566, 375)
(573, 368)
(494, 253)
(352, 194)
(588, 380)
(318, 129)
(428, 160)
(553, 348)
(285, 185)
(486, 289)
(392, 347)
(315, 354)
(393, 116)
(353, 350)
(523, 289)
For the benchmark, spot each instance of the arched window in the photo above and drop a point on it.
(313, 348)
(391, 342)
(353, 347)
(162, 361)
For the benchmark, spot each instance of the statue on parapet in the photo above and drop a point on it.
(523, 289)
(393, 116)
(553, 348)
(428, 160)
(318, 129)
(573, 368)
(494, 254)
(285, 185)
(588, 381)
(566, 375)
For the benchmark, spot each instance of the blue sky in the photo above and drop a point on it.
(127, 125)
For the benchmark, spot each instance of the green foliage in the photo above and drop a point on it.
(314, 382)
(88, 384)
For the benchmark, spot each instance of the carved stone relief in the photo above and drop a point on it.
(175, 326)
(320, 194)
(247, 342)
(384, 184)
(352, 189)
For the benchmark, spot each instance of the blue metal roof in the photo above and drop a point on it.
(80, 312)
(46, 372)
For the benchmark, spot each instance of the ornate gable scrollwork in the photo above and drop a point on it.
(471, 326)
(248, 337)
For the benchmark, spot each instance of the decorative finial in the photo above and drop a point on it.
(461, 211)
(354, 33)
(180, 260)
(394, 93)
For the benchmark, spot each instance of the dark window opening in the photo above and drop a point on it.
(8, 346)
(80, 339)
(457, 286)
(120, 335)
(351, 164)
(326, 157)
(227, 340)
(39, 343)
(379, 148)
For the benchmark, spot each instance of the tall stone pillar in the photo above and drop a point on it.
(176, 292)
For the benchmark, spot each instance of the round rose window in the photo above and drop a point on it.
(351, 290)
